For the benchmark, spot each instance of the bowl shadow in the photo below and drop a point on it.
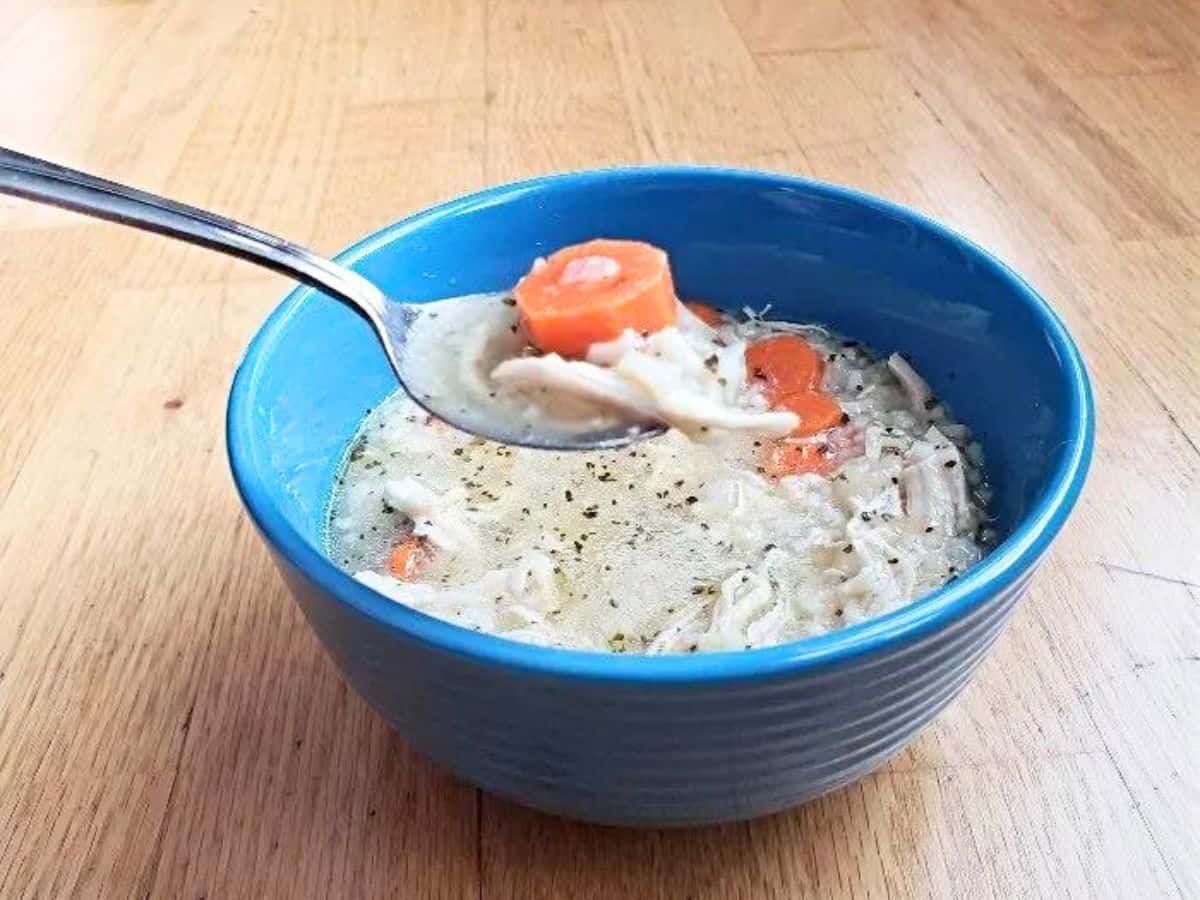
(840, 844)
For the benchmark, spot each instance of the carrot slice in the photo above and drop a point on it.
(780, 458)
(786, 363)
(592, 292)
(407, 558)
(709, 315)
(816, 409)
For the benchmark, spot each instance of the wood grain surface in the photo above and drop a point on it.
(168, 725)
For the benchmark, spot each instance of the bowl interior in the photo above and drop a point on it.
(873, 271)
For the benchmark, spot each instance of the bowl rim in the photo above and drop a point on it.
(1015, 556)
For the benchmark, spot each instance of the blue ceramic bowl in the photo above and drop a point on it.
(683, 739)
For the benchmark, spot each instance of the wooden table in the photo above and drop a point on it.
(168, 725)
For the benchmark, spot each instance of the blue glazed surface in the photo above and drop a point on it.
(683, 739)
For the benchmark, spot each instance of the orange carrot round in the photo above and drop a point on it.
(786, 363)
(407, 558)
(780, 458)
(816, 409)
(592, 292)
(709, 315)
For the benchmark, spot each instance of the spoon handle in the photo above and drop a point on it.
(45, 182)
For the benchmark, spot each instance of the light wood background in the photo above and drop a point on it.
(168, 725)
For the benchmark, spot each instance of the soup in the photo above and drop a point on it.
(807, 484)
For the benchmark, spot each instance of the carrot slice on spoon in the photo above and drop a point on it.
(588, 293)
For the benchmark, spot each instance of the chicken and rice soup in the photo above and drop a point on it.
(806, 484)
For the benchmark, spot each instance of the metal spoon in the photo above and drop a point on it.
(407, 330)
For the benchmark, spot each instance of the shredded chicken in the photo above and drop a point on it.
(435, 517)
(582, 379)
(914, 385)
(686, 379)
(879, 441)
(935, 485)
(886, 575)
(515, 601)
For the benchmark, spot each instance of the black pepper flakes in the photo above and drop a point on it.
(567, 493)
(950, 463)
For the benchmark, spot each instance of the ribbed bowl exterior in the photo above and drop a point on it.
(655, 753)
